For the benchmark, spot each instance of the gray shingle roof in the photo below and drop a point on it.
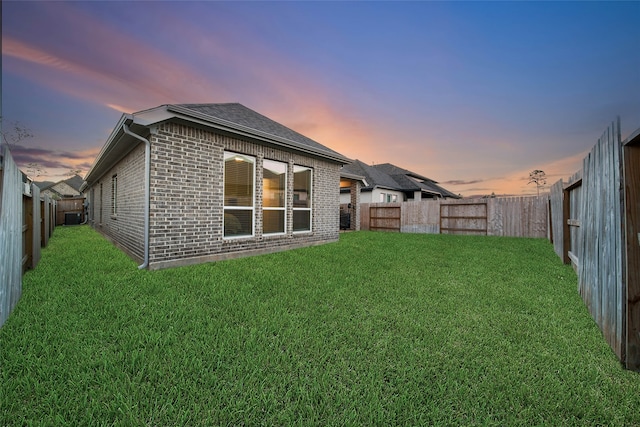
(75, 182)
(393, 177)
(395, 170)
(44, 184)
(374, 178)
(238, 114)
(401, 176)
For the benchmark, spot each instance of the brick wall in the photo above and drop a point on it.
(126, 228)
(355, 205)
(186, 200)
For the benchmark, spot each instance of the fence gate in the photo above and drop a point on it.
(632, 229)
(463, 218)
(384, 218)
(70, 211)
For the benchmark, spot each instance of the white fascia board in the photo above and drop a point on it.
(152, 116)
(108, 146)
(354, 177)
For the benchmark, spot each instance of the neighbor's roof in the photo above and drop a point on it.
(74, 182)
(372, 176)
(396, 178)
(231, 118)
(42, 185)
(403, 177)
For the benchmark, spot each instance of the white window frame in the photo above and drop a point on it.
(286, 192)
(252, 208)
(299, 168)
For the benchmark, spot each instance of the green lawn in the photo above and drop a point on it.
(377, 329)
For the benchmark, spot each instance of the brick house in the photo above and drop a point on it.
(190, 183)
(385, 183)
(69, 187)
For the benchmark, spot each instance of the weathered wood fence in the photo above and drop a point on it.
(70, 211)
(26, 223)
(508, 216)
(595, 223)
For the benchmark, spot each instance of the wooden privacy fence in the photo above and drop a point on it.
(463, 218)
(70, 211)
(385, 218)
(26, 223)
(594, 223)
(513, 216)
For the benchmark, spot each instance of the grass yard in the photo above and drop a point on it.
(377, 329)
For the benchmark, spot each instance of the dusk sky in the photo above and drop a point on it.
(474, 95)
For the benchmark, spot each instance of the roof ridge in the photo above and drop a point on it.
(200, 104)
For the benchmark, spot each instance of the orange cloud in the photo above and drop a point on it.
(516, 182)
(133, 76)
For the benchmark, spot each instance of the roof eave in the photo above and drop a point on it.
(153, 116)
(215, 122)
(113, 143)
(353, 177)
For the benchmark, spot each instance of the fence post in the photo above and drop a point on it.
(631, 215)
(37, 234)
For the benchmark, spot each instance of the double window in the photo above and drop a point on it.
(389, 198)
(239, 196)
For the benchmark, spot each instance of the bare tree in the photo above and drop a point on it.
(17, 133)
(73, 172)
(539, 178)
(34, 170)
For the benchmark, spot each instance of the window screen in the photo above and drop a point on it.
(274, 190)
(239, 186)
(302, 196)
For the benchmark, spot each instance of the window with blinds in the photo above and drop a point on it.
(302, 179)
(274, 191)
(239, 190)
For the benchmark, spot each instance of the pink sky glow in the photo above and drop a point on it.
(473, 96)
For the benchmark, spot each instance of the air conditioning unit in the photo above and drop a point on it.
(26, 189)
(72, 218)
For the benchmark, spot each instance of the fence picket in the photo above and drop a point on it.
(592, 217)
(10, 234)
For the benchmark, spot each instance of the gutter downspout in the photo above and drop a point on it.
(147, 169)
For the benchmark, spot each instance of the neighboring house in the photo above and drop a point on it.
(390, 183)
(190, 183)
(62, 189)
(350, 185)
